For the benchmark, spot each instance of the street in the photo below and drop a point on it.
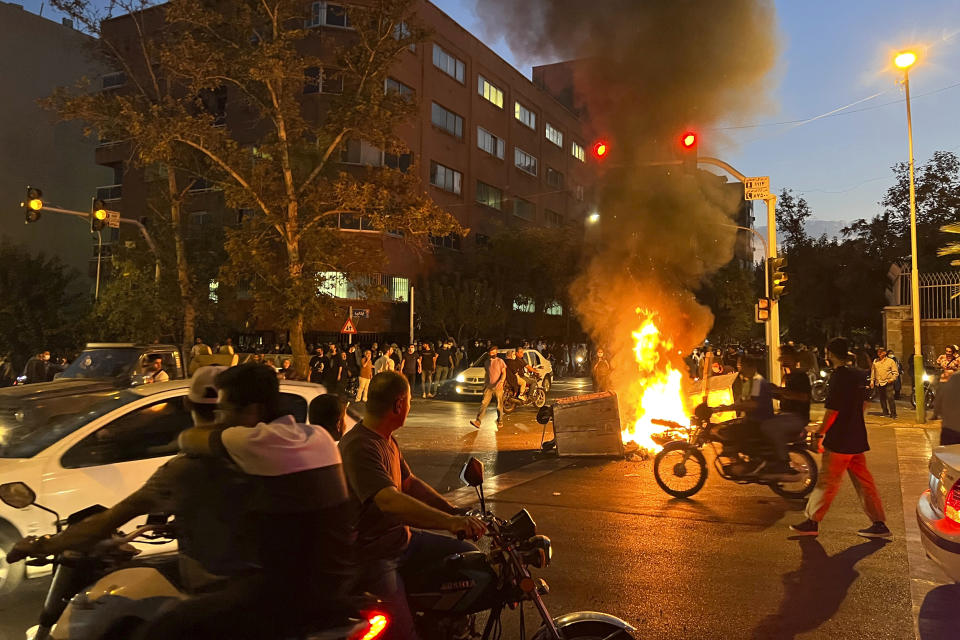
(721, 565)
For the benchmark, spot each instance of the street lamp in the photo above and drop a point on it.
(904, 60)
(593, 218)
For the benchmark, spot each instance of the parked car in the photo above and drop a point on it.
(121, 363)
(76, 447)
(470, 381)
(938, 511)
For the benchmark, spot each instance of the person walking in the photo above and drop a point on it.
(428, 368)
(883, 374)
(410, 366)
(333, 371)
(898, 383)
(366, 374)
(445, 364)
(317, 364)
(385, 362)
(844, 446)
(601, 372)
(947, 405)
(495, 375)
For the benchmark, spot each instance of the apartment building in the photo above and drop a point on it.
(490, 146)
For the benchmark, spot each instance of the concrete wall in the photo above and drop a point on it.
(36, 56)
(934, 334)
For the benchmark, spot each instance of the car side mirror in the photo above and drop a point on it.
(17, 494)
(472, 473)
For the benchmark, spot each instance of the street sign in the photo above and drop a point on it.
(113, 219)
(348, 327)
(361, 313)
(756, 188)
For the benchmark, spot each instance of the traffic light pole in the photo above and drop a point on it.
(773, 325)
(136, 223)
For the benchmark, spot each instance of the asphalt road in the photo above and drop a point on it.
(721, 565)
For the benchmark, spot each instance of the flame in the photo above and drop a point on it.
(658, 385)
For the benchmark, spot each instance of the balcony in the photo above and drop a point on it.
(110, 192)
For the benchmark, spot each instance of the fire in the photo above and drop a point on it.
(658, 385)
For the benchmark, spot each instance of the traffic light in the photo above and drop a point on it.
(32, 205)
(688, 140)
(688, 150)
(778, 279)
(762, 310)
(600, 149)
(98, 216)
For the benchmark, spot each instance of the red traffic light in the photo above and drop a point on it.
(688, 140)
(600, 150)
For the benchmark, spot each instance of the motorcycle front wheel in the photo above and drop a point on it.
(680, 469)
(589, 630)
(803, 462)
(539, 398)
(818, 392)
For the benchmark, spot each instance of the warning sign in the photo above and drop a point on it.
(348, 327)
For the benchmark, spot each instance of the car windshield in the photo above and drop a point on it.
(482, 360)
(103, 363)
(30, 425)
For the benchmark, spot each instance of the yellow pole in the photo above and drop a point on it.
(918, 369)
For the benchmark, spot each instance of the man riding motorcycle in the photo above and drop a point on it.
(394, 507)
(755, 402)
(783, 428)
(516, 368)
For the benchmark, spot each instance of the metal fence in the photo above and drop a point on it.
(939, 294)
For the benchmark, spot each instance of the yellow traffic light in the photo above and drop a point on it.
(32, 205)
(100, 214)
(778, 279)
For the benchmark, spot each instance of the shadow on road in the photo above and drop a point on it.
(814, 592)
(939, 616)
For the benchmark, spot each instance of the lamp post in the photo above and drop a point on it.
(904, 61)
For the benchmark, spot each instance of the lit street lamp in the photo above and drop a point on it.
(593, 218)
(904, 60)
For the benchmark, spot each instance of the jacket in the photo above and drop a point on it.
(884, 371)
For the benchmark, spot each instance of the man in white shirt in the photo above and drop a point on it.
(153, 371)
(385, 362)
(495, 375)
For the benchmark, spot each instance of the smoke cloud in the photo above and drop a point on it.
(644, 72)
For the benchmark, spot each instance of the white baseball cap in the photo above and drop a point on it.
(202, 388)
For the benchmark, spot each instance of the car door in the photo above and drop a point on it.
(114, 459)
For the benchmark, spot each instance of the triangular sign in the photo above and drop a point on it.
(348, 327)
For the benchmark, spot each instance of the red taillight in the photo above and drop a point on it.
(951, 506)
(376, 625)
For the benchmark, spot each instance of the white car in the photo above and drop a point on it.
(77, 445)
(470, 382)
(938, 511)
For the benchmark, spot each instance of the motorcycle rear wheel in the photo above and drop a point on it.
(509, 403)
(680, 477)
(802, 461)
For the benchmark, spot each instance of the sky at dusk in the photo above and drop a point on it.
(833, 54)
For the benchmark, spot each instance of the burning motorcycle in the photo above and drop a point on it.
(534, 394)
(447, 600)
(680, 468)
(100, 595)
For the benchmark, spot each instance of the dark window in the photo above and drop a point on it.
(554, 178)
(337, 16)
(489, 195)
(401, 162)
(311, 80)
(447, 120)
(524, 209)
(148, 432)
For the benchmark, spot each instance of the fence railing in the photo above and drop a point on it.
(939, 294)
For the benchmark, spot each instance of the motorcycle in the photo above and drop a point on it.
(819, 384)
(534, 394)
(446, 600)
(929, 395)
(680, 468)
(100, 595)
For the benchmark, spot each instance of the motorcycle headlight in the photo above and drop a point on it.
(461, 378)
(823, 374)
(926, 377)
(538, 552)
(579, 358)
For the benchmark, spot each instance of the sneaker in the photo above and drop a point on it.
(499, 424)
(876, 530)
(806, 528)
(475, 423)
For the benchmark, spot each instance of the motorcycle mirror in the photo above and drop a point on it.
(472, 473)
(17, 495)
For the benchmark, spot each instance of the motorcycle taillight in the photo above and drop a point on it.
(377, 623)
(951, 506)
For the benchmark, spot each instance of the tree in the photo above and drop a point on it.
(282, 161)
(730, 292)
(460, 305)
(124, 314)
(38, 311)
(792, 215)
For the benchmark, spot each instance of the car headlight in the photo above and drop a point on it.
(823, 374)
(579, 358)
(461, 378)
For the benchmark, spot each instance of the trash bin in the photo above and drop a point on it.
(588, 425)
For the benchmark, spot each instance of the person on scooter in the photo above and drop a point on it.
(398, 513)
(206, 496)
(783, 428)
(517, 368)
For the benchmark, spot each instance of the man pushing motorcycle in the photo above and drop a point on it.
(394, 507)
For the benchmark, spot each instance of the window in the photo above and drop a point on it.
(328, 14)
(489, 195)
(578, 192)
(199, 218)
(401, 161)
(445, 178)
(554, 135)
(113, 80)
(147, 432)
(360, 152)
(524, 161)
(399, 289)
(577, 152)
(451, 241)
(523, 304)
(554, 309)
(524, 115)
(402, 31)
(490, 143)
(322, 80)
(524, 209)
(554, 178)
(447, 120)
(450, 65)
(553, 219)
(489, 91)
(391, 85)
